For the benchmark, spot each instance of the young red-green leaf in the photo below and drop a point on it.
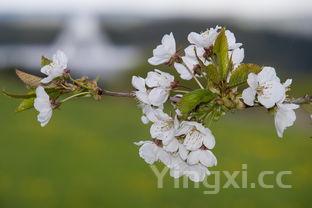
(190, 100)
(220, 49)
(45, 61)
(32, 80)
(240, 74)
(25, 104)
(28, 79)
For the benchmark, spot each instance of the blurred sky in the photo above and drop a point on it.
(92, 28)
(264, 9)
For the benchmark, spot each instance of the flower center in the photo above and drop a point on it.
(264, 90)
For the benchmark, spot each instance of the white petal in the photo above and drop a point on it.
(193, 157)
(148, 152)
(157, 60)
(46, 69)
(142, 96)
(153, 79)
(162, 53)
(209, 140)
(249, 96)
(273, 93)
(41, 93)
(252, 80)
(140, 143)
(183, 71)
(184, 129)
(172, 146)
(267, 74)
(165, 78)
(152, 113)
(196, 39)
(178, 167)
(46, 80)
(287, 83)
(284, 117)
(193, 140)
(42, 105)
(196, 173)
(183, 152)
(169, 42)
(238, 56)
(60, 59)
(164, 157)
(158, 96)
(44, 117)
(207, 158)
(156, 130)
(138, 83)
(232, 45)
(144, 120)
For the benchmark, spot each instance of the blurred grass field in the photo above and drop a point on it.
(85, 157)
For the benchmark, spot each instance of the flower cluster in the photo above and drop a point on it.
(267, 89)
(179, 114)
(42, 103)
(45, 93)
(183, 142)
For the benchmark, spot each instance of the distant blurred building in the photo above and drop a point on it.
(85, 44)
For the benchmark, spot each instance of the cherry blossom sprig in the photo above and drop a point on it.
(180, 134)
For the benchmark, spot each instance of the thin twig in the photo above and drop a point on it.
(118, 94)
(307, 99)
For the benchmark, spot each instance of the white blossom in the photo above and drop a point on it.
(266, 85)
(151, 153)
(196, 135)
(205, 157)
(174, 146)
(141, 92)
(55, 68)
(179, 167)
(232, 45)
(237, 55)
(186, 70)
(205, 39)
(190, 53)
(196, 173)
(164, 52)
(285, 117)
(150, 113)
(159, 84)
(164, 128)
(43, 105)
(158, 78)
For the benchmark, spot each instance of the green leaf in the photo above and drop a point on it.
(212, 73)
(191, 100)
(45, 61)
(240, 74)
(21, 96)
(25, 104)
(220, 49)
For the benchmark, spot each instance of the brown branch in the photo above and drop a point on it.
(118, 94)
(307, 99)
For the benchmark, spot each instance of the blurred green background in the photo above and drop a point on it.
(85, 157)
